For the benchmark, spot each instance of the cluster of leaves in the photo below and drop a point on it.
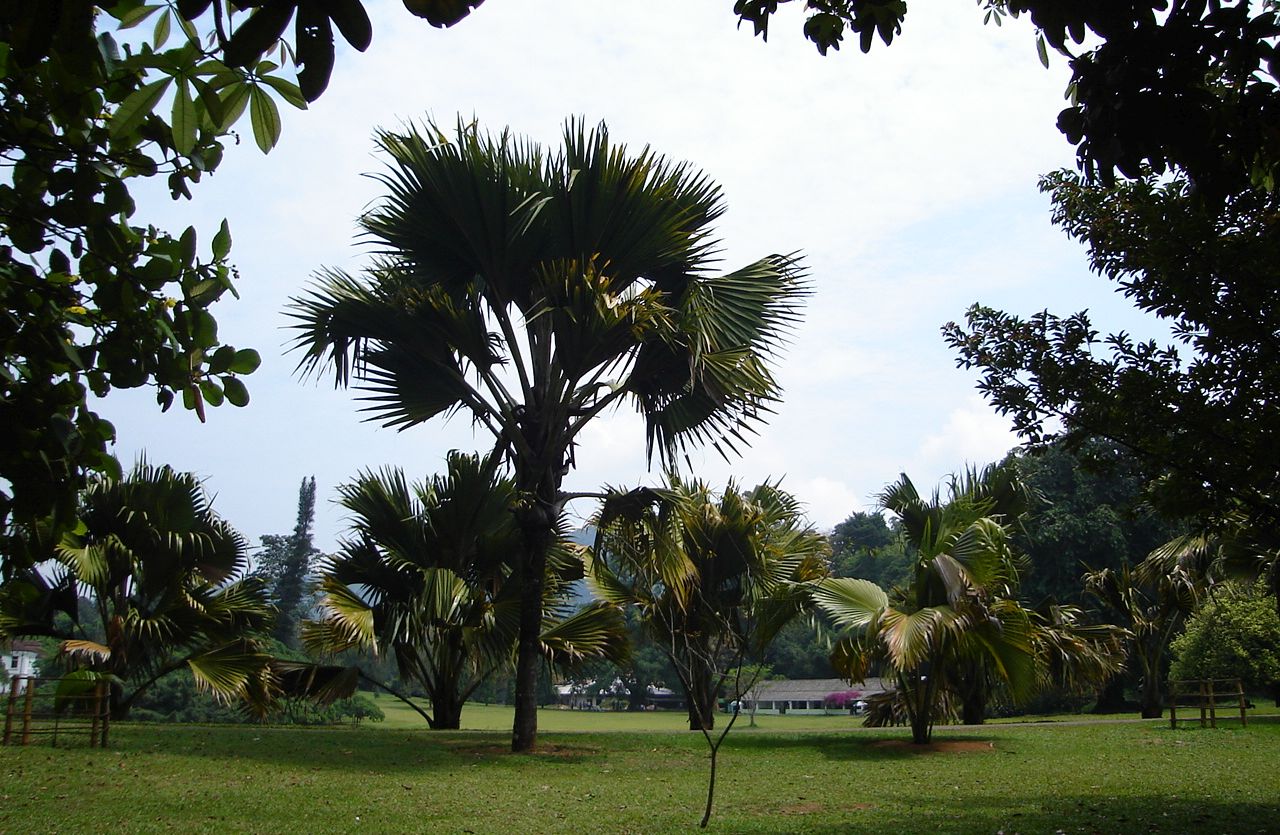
(1236, 634)
(1187, 84)
(713, 578)
(866, 546)
(507, 285)
(285, 564)
(94, 300)
(1088, 513)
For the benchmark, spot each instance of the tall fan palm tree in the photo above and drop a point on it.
(166, 581)
(537, 290)
(429, 575)
(956, 629)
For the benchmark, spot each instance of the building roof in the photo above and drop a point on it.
(19, 645)
(812, 689)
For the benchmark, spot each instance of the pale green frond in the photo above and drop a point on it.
(911, 637)
(228, 670)
(443, 594)
(351, 618)
(78, 649)
(850, 602)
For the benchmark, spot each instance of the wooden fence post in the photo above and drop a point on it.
(97, 710)
(8, 714)
(26, 711)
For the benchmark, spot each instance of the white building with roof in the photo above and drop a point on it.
(19, 659)
(811, 696)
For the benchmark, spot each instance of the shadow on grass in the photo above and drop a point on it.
(344, 749)
(991, 813)
(865, 748)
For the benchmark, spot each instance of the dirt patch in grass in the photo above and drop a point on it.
(951, 746)
(545, 749)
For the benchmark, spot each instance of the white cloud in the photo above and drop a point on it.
(972, 434)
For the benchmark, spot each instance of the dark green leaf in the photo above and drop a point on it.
(246, 361)
(222, 242)
(191, 9)
(161, 32)
(212, 392)
(353, 22)
(184, 118)
(221, 360)
(234, 100)
(314, 40)
(259, 33)
(205, 329)
(136, 15)
(237, 394)
(136, 107)
(265, 118)
(211, 102)
(58, 262)
(187, 243)
(287, 90)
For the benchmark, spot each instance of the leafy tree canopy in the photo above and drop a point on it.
(1088, 512)
(94, 298)
(536, 289)
(1199, 414)
(865, 546)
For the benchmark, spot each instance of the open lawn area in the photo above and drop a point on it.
(1121, 778)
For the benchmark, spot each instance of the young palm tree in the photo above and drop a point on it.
(956, 629)
(535, 291)
(1154, 601)
(714, 578)
(166, 580)
(430, 576)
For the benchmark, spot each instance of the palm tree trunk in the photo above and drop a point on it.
(446, 713)
(1150, 697)
(537, 525)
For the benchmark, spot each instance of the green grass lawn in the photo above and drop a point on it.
(1117, 778)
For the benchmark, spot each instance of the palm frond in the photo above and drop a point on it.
(229, 670)
(849, 602)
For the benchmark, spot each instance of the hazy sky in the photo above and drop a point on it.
(907, 177)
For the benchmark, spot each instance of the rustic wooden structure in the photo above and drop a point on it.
(33, 710)
(1205, 695)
